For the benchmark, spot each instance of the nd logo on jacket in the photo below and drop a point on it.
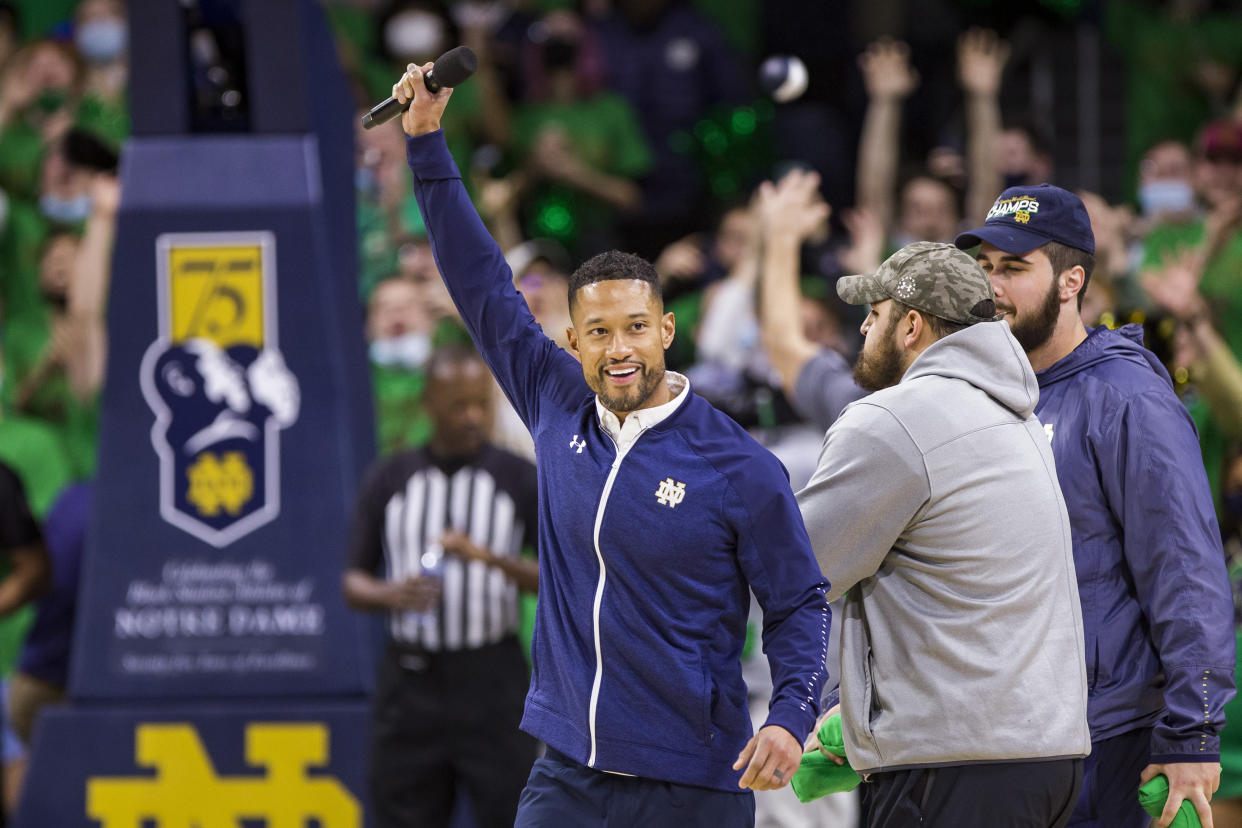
(185, 789)
(218, 385)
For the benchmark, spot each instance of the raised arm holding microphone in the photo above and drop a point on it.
(656, 513)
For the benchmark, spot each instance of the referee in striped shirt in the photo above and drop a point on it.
(451, 686)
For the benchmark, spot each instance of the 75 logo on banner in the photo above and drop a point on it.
(218, 384)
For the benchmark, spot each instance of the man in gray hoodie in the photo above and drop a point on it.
(936, 505)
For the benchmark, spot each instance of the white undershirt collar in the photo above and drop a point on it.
(636, 422)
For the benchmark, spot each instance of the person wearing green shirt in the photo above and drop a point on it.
(581, 147)
(101, 35)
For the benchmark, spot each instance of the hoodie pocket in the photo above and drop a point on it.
(868, 696)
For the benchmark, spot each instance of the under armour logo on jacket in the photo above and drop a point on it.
(577, 444)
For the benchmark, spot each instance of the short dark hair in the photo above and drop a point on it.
(1062, 257)
(613, 264)
(939, 326)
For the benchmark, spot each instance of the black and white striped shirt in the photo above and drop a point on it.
(409, 500)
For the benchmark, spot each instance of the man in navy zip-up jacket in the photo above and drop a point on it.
(1156, 602)
(656, 512)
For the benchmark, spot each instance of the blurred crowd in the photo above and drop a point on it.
(640, 124)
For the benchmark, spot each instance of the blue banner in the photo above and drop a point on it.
(287, 765)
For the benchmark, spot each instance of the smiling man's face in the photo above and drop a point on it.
(620, 332)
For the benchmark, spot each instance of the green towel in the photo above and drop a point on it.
(818, 775)
(1155, 793)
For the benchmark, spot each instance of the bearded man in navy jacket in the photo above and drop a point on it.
(656, 513)
(1156, 603)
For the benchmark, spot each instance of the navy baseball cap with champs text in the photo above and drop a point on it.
(1024, 218)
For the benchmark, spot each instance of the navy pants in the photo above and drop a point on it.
(562, 793)
(993, 795)
(1110, 783)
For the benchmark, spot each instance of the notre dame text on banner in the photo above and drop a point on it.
(225, 479)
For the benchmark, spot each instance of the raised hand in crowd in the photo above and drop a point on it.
(788, 212)
(792, 207)
(889, 79)
(77, 332)
(886, 69)
(981, 58)
(88, 290)
(866, 249)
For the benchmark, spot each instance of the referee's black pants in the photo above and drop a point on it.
(989, 795)
(443, 720)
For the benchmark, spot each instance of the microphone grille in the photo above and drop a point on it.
(455, 65)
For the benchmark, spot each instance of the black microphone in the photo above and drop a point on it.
(450, 69)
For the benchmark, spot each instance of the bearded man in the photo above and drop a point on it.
(935, 504)
(1156, 600)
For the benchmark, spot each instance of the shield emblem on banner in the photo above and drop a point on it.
(218, 384)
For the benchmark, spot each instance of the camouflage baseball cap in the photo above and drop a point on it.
(932, 277)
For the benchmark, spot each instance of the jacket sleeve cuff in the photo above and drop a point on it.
(1176, 758)
(429, 158)
(1199, 746)
(797, 721)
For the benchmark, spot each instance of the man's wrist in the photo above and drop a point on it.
(423, 128)
(782, 235)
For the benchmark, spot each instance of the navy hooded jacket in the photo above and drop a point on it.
(642, 597)
(1156, 602)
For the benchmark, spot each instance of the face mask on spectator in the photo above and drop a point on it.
(65, 211)
(559, 53)
(413, 35)
(1167, 195)
(100, 41)
(51, 100)
(56, 299)
(407, 351)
